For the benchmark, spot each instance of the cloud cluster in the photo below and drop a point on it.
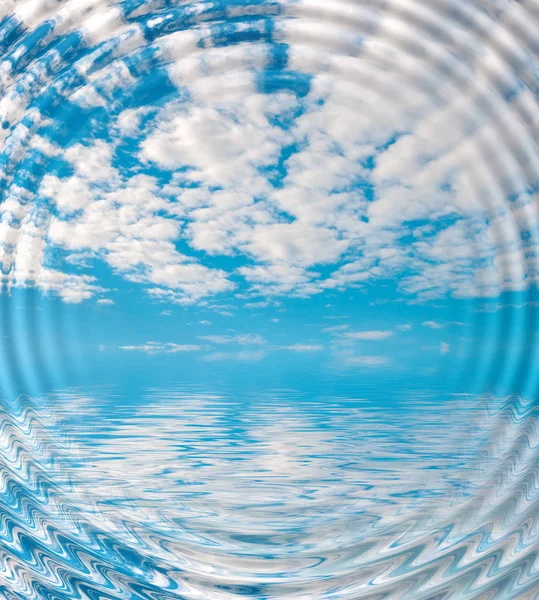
(234, 355)
(348, 346)
(127, 223)
(23, 256)
(415, 167)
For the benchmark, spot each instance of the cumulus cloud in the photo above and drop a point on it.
(313, 192)
(214, 144)
(105, 302)
(122, 223)
(22, 256)
(432, 160)
(100, 19)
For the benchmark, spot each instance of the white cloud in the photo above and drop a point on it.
(93, 163)
(22, 256)
(295, 243)
(433, 324)
(369, 335)
(161, 348)
(368, 361)
(226, 147)
(276, 278)
(439, 161)
(242, 356)
(445, 348)
(303, 348)
(69, 195)
(370, 159)
(98, 20)
(122, 222)
(129, 120)
(223, 147)
(244, 339)
(438, 325)
(105, 302)
(336, 329)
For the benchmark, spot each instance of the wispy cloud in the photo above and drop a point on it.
(489, 308)
(161, 348)
(445, 348)
(370, 335)
(244, 339)
(369, 361)
(303, 347)
(242, 356)
(439, 325)
(335, 329)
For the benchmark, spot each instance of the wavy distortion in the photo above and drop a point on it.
(268, 148)
(472, 537)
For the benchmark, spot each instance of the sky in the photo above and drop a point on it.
(266, 199)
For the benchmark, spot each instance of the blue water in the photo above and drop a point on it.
(200, 495)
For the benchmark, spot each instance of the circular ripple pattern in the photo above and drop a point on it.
(294, 134)
(466, 527)
(290, 135)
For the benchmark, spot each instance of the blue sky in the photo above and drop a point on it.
(242, 202)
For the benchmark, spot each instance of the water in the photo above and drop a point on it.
(199, 496)
(268, 309)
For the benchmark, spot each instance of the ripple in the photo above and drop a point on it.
(371, 505)
(265, 150)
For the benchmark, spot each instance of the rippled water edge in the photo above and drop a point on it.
(430, 517)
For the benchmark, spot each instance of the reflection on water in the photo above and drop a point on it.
(194, 495)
